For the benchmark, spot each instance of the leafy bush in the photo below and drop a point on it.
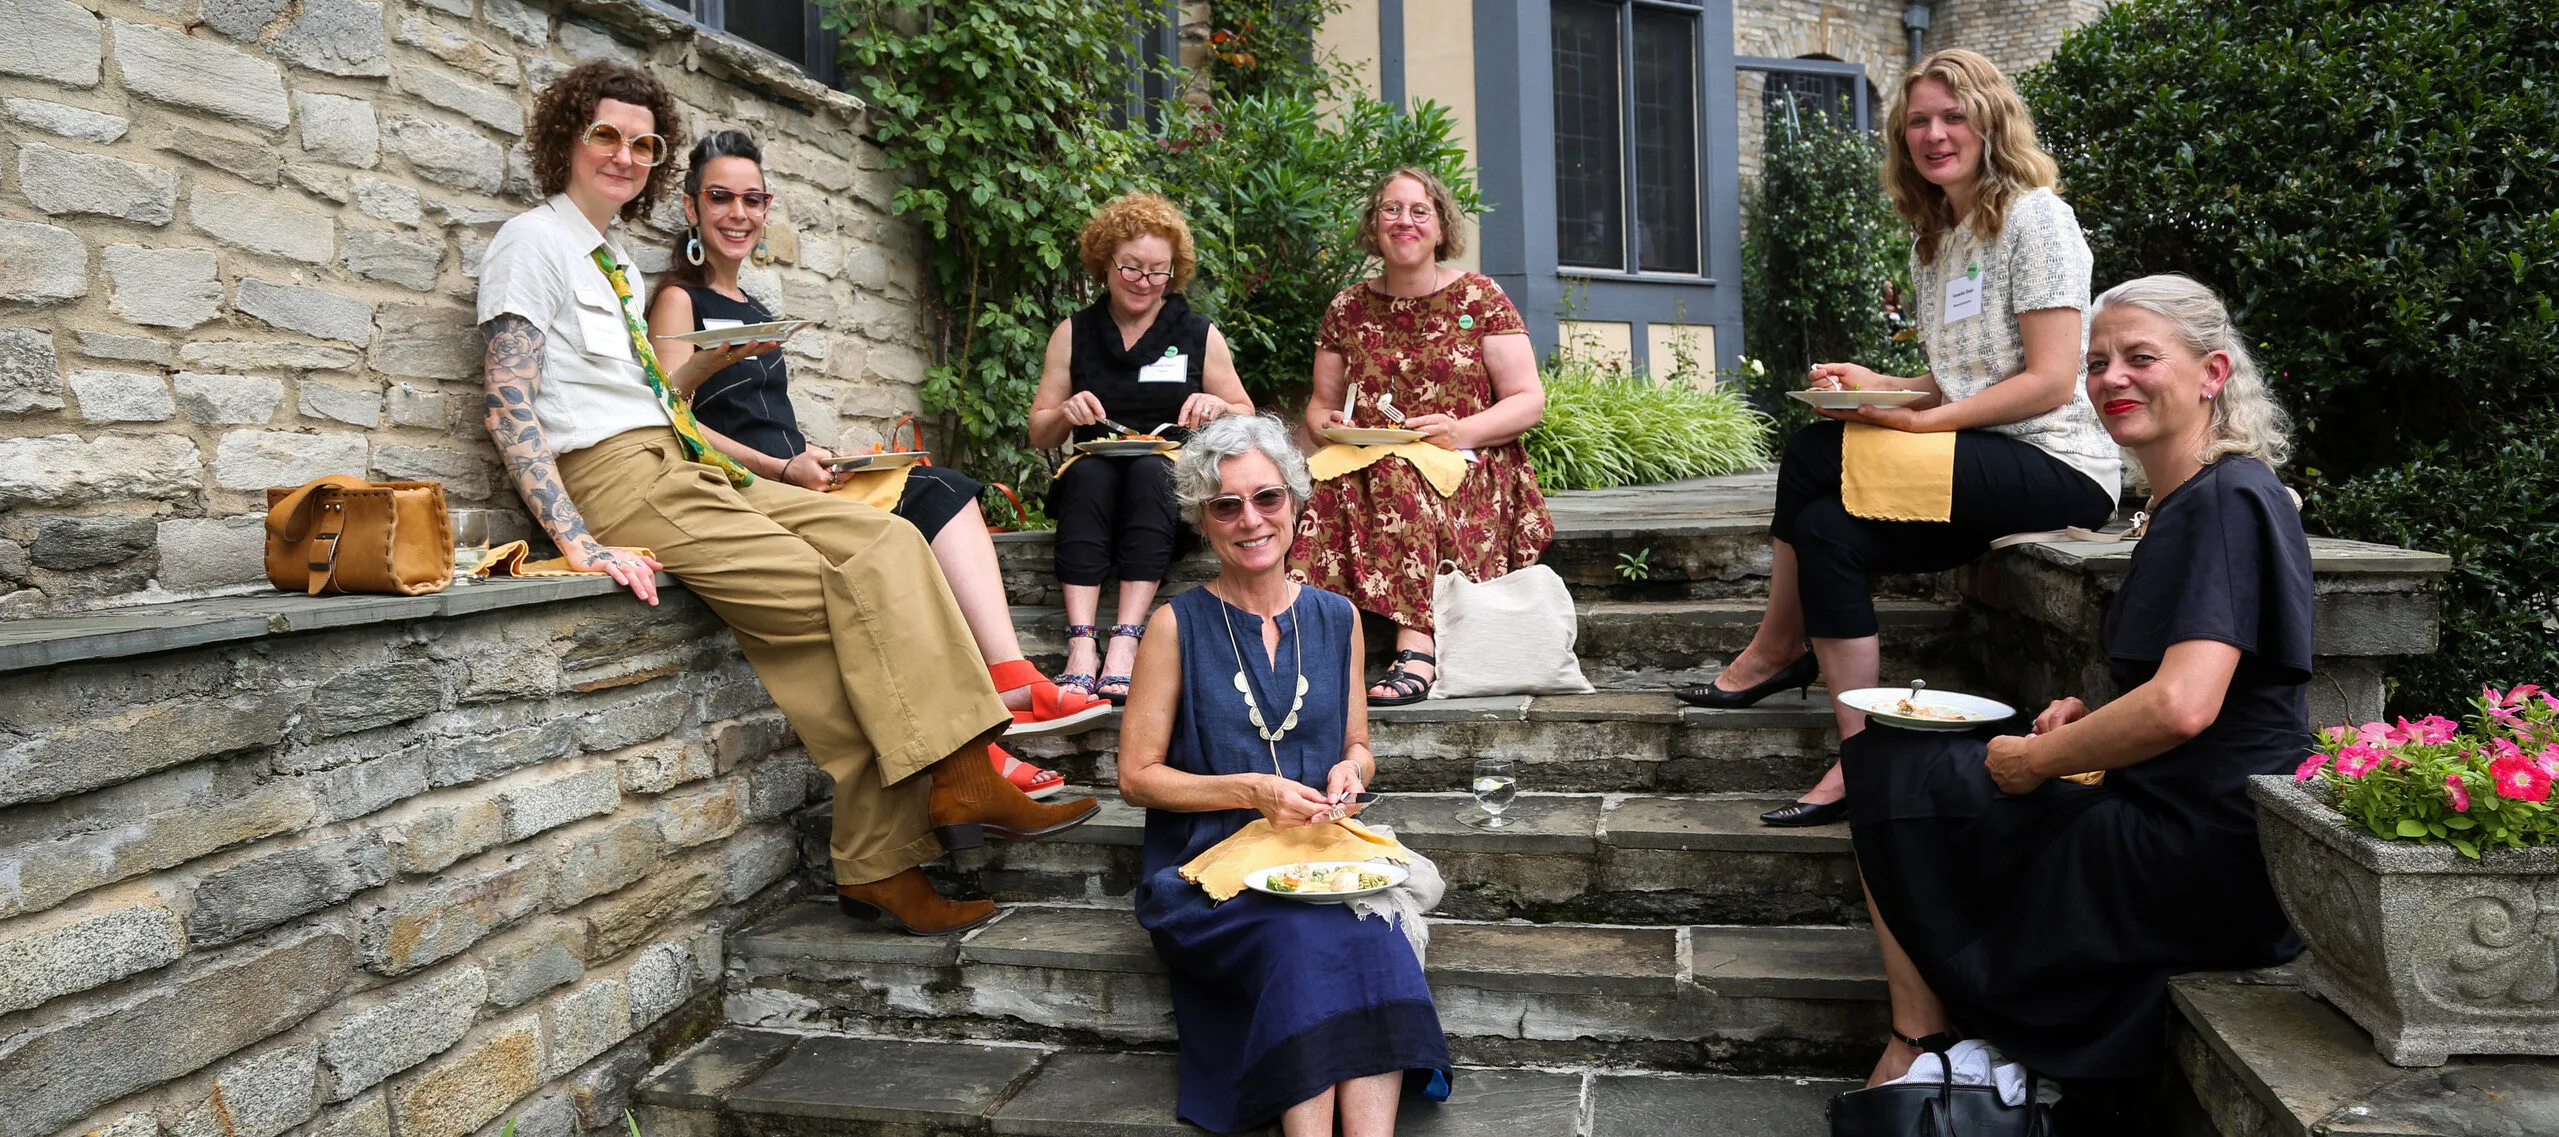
(1273, 185)
(1824, 262)
(1606, 428)
(999, 112)
(2374, 188)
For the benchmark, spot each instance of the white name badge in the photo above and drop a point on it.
(1963, 297)
(604, 334)
(712, 325)
(1170, 369)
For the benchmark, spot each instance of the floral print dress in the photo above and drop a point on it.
(1377, 535)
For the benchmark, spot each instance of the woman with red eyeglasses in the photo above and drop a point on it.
(745, 410)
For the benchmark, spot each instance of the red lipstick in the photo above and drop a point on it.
(2119, 406)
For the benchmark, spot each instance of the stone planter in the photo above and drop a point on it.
(2434, 954)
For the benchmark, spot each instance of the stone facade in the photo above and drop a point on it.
(416, 877)
(239, 242)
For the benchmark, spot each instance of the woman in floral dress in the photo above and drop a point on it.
(1448, 351)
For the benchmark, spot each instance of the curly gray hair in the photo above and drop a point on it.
(2246, 419)
(1196, 472)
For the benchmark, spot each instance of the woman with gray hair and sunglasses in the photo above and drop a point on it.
(1247, 705)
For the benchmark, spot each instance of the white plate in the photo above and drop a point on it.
(1842, 400)
(1394, 874)
(1369, 436)
(1877, 702)
(743, 333)
(1117, 447)
(875, 461)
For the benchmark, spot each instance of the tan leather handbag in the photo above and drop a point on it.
(345, 534)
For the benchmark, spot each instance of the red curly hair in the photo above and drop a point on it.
(1129, 217)
(567, 108)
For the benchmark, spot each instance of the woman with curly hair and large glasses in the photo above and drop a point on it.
(615, 469)
(1138, 357)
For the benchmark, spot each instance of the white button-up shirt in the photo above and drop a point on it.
(541, 266)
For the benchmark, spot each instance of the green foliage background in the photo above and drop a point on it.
(1824, 246)
(2374, 188)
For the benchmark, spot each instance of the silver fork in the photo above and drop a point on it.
(1386, 406)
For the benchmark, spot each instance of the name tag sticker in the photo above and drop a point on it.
(712, 325)
(1963, 295)
(1170, 369)
(605, 334)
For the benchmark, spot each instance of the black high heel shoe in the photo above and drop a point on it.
(1805, 813)
(1799, 675)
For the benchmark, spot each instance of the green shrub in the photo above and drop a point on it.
(1273, 184)
(1606, 428)
(1824, 250)
(2374, 189)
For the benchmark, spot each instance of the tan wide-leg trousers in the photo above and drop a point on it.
(841, 610)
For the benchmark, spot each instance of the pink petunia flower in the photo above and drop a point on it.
(2338, 734)
(2519, 779)
(2435, 728)
(2375, 735)
(2505, 748)
(2358, 760)
(2516, 696)
(2458, 790)
(2310, 767)
(2548, 760)
(2549, 700)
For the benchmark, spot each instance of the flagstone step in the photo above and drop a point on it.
(1614, 858)
(1646, 636)
(1611, 741)
(1707, 998)
(773, 1084)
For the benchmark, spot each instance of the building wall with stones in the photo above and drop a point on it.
(410, 877)
(238, 243)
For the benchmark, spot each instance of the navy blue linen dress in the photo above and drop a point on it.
(1275, 999)
(2050, 922)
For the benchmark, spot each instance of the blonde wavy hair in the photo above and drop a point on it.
(2012, 162)
(1128, 217)
(2246, 419)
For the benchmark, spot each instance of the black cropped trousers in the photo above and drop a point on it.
(2002, 486)
(1115, 519)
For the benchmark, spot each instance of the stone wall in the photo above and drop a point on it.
(415, 877)
(238, 243)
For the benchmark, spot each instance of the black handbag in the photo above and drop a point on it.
(1919, 1109)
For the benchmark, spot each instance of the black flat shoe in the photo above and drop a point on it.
(1799, 674)
(1804, 813)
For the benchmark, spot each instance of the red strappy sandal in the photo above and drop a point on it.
(1033, 781)
(1054, 709)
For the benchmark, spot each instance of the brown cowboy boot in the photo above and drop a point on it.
(908, 903)
(972, 802)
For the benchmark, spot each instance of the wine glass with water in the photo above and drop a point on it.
(1496, 783)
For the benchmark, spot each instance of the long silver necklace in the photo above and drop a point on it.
(1252, 706)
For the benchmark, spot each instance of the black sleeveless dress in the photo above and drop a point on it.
(2049, 922)
(750, 401)
(1139, 385)
(1115, 517)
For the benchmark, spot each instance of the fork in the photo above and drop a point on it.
(1386, 406)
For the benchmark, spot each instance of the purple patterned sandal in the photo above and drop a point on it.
(1080, 681)
(1132, 631)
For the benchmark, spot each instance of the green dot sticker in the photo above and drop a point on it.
(1170, 352)
(1466, 321)
(1972, 271)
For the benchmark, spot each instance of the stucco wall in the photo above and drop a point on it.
(238, 243)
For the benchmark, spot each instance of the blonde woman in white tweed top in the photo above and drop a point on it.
(2001, 275)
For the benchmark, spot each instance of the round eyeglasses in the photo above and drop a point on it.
(1136, 275)
(646, 149)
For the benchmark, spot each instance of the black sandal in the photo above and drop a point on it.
(1132, 631)
(1409, 688)
(1937, 1043)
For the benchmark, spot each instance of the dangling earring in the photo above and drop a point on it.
(692, 246)
(763, 253)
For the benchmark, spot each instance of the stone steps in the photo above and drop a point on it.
(1619, 636)
(1697, 999)
(774, 1084)
(1606, 858)
(1614, 741)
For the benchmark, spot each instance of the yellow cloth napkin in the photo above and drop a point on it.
(1220, 871)
(879, 489)
(508, 560)
(1167, 449)
(1895, 475)
(1442, 468)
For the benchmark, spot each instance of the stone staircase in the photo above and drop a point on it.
(1637, 956)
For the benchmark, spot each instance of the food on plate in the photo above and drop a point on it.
(1136, 438)
(1908, 709)
(1307, 879)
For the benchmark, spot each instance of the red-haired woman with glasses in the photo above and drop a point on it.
(1139, 357)
(745, 410)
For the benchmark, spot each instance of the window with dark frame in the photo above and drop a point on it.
(1809, 93)
(1626, 137)
(788, 28)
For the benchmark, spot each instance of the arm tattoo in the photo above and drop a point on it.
(513, 373)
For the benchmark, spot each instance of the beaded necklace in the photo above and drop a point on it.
(1252, 706)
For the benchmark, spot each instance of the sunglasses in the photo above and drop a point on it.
(1269, 501)
(756, 200)
(646, 149)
